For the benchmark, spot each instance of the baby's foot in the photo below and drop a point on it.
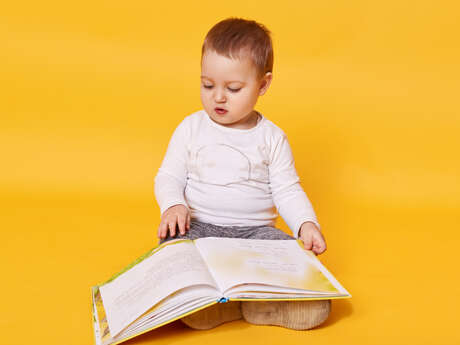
(298, 315)
(214, 315)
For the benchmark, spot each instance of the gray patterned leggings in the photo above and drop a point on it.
(199, 229)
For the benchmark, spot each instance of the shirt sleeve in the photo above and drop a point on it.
(290, 199)
(171, 178)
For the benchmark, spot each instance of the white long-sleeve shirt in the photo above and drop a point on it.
(232, 177)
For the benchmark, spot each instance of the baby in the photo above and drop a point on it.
(228, 169)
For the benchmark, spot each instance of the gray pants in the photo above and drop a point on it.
(200, 229)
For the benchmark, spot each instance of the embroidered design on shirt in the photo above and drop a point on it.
(222, 164)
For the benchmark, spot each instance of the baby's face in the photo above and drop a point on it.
(231, 85)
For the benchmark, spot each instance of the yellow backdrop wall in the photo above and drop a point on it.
(366, 91)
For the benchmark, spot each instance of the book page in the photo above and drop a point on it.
(173, 267)
(235, 261)
(185, 300)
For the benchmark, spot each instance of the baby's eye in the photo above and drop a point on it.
(230, 89)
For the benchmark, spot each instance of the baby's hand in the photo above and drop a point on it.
(175, 215)
(312, 238)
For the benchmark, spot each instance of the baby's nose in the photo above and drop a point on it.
(219, 96)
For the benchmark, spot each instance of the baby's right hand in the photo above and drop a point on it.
(175, 215)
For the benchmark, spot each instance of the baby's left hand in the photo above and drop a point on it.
(312, 238)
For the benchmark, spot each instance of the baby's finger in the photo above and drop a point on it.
(172, 227)
(307, 243)
(319, 245)
(188, 221)
(162, 229)
(181, 223)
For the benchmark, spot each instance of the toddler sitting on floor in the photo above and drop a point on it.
(228, 169)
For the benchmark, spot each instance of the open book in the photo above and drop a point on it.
(180, 277)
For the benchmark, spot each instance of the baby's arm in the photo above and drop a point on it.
(170, 183)
(290, 199)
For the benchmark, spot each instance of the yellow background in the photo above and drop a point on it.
(367, 92)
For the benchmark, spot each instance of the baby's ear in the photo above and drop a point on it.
(265, 83)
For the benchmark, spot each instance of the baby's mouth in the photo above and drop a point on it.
(220, 111)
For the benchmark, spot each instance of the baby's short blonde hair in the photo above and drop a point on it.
(237, 38)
